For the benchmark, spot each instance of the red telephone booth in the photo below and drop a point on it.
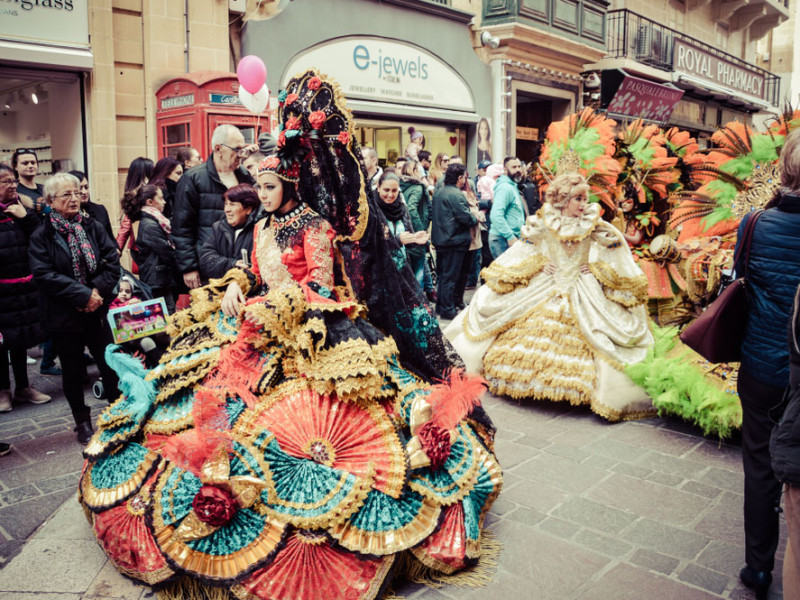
(191, 106)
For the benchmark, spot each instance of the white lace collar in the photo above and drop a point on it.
(571, 229)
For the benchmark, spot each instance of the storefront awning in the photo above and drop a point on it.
(414, 112)
(53, 56)
(628, 96)
(721, 93)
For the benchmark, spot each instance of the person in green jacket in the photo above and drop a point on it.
(418, 202)
(508, 214)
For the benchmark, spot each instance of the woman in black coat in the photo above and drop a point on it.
(19, 313)
(231, 240)
(98, 212)
(154, 251)
(76, 267)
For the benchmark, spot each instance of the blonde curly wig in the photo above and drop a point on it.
(563, 187)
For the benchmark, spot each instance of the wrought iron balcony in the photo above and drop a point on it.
(630, 35)
(583, 20)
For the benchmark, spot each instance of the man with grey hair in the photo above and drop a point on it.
(198, 199)
(374, 171)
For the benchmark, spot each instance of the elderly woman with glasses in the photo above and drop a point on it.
(75, 266)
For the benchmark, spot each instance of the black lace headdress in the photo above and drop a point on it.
(317, 143)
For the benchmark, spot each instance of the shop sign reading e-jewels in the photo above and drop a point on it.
(386, 70)
(63, 22)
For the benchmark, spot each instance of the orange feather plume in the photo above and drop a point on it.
(454, 398)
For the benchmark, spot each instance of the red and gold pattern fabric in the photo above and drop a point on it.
(311, 568)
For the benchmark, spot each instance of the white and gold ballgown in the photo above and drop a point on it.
(565, 336)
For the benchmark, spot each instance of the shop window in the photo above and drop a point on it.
(41, 111)
(390, 139)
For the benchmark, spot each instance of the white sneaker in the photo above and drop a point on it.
(31, 396)
(31, 361)
(5, 400)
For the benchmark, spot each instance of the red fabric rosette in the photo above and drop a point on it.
(317, 119)
(436, 443)
(214, 505)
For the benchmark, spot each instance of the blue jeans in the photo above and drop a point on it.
(497, 244)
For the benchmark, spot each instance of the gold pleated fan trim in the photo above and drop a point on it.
(382, 543)
(97, 498)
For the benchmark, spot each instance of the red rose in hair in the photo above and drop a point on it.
(281, 139)
(214, 505)
(344, 137)
(292, 123)
(314, 83)
(290, 99)
(317, 119)
(436, 443)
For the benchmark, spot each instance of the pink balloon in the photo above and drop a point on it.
(252, 73)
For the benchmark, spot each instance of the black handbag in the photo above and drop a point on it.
(717, 334)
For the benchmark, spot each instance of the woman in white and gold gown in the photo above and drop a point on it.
(562, 311)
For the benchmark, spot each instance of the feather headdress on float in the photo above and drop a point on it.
(582, 143)
(743, 176)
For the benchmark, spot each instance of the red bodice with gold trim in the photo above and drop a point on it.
(300, 241)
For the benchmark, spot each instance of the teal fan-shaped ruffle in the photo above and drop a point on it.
(175, 491)
(124, 418)
(173, 414)
(487, 486)
(385, 525)
(117, 476)
(309, 494)
(455, 478)
(226, 553)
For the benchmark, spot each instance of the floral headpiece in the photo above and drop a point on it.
(273, 164)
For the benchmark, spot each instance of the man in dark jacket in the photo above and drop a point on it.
(450, 234)
(198, 200)
(75, 265)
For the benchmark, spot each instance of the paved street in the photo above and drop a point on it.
(589, 511)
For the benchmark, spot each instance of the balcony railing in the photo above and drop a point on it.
(630, 35)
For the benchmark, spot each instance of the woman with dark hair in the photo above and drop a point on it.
(231, 240)
(154, 251)
(76, 268)
(92, 209)
(139, 172)
(188, 157)
(292, 443)
(26, 167)
(484, 140)
(399, 221)
(166, 174)
(20, 326)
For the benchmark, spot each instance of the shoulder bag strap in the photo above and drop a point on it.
(746, 241)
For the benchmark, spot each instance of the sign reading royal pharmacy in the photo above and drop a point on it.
(373, 68)
(693, 60)
(58, 22)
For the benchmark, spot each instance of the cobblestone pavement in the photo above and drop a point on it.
(589, 511)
